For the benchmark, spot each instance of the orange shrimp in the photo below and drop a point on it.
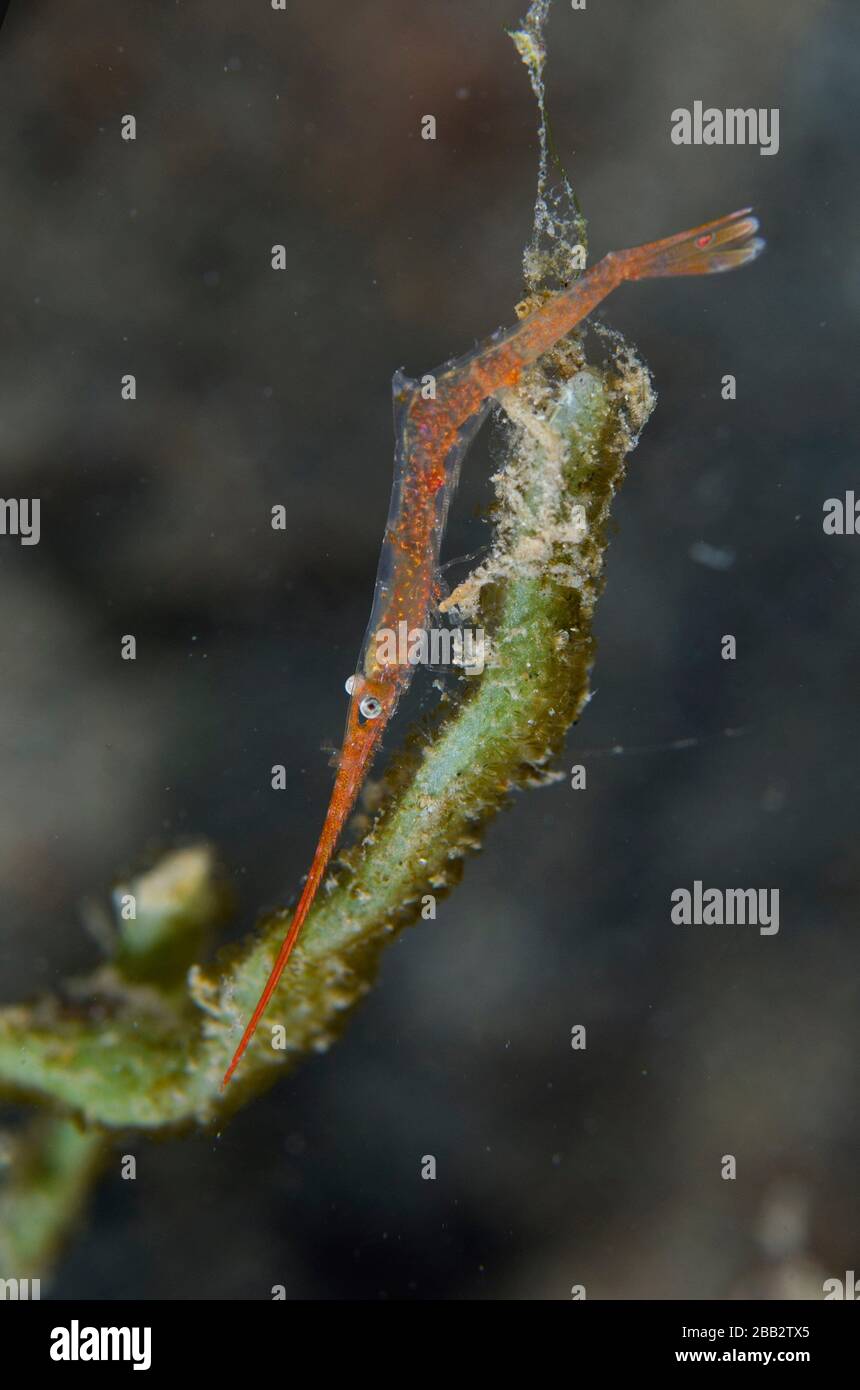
(432, 437)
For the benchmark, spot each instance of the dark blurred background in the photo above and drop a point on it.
(255, 388)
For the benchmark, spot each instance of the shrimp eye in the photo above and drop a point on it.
(370, 707)
(704, 240)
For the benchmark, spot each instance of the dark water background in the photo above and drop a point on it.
(257, 388)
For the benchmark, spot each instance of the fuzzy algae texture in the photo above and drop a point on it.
(129, 1051)
(142, 1043)
(52, 1166)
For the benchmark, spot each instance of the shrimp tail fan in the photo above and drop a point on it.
(707, 250)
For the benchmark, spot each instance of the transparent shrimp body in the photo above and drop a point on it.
(432, 436)
(429, 450)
